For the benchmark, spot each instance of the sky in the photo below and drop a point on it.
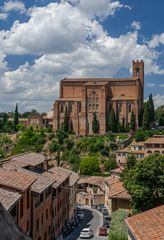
(44, 41)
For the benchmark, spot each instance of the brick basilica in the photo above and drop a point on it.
(85, 96)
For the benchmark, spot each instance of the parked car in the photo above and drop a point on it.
(106, 224)
(86, 233)
(103, 231)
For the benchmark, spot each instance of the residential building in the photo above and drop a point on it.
(91, 191)
(84, 96)
(147, 225)
(154, 144)
(116, 196)
(18, 182)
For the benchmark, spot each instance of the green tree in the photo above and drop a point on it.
(16, 118)
(89, 165)
(4, 120)
(151, 109)
(145, 183)
(66, 121)
(140, 117)
(159, 115)
(54, 146)
(146, 117)
(133, 121)
(112, 121)
(122, 127)
(95, 124)
(61, 135)
(118, 230)
(110, 164)
(8, 128)
(68, 143)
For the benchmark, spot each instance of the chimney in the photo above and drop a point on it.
(45, 163)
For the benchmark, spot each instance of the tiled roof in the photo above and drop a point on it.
(116, 170)
(117, 190)
(16, 180)
(97, 79)
(42, 182)
(111, 180)
(155, 140)
(31, 158)
(58, 174)
(94, 180)
(14, 164)
(8, 199)
(140, 143)
(148, 225)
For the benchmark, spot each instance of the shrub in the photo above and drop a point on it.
(89, 165)
(110, 164)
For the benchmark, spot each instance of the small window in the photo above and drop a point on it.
(21, 207)
(47, 213)
(62, 108)
(37, 224)
(28, 199)
(42, 218)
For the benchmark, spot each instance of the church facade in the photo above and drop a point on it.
(83, 97)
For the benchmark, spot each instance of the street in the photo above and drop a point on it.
(92, 220)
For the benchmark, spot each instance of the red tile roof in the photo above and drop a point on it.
(117, 190)
(8, 199)
(148, 225)
(16, 180)
(30, 158)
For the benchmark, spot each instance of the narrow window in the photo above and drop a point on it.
(21, 207)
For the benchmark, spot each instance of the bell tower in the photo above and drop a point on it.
(138, 72)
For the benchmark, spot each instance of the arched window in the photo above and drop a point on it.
(149, 152)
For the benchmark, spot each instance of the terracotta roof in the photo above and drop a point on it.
(116, 170)
(97, 79)
(134, 143)
(16, 180)
(58, 174)
(31, 158)
(155, 140)
(42, 182)
(8, 199)
(94, 180)
(148, 225)
(73, 178)
(117, 190)
(111, 180)
(14, 164)
(128, 150)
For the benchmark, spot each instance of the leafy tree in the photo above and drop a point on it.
(151, 109)
(25, 114)
(145, 183)
(68, 143)
(66, 121)
(54, 146)
(110, 164)
(89, 165)
(133, 122)
(16, 119)
(112, 121)
(8, 127)
(95, 124)
(146, 117)
(61, 135)
(159, 115)
(1, 125)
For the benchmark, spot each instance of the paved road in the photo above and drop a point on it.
(93, 220)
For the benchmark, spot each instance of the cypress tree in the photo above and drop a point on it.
(4, 120)
(133, 121)
(16, 118)
(146, 117)
(112, 121)
(66, 121)
(151, 109)
(123, 125)
(95, 124)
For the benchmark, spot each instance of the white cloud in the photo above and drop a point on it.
(157, 40)
(3, 16)
(14, 6)
(136, 25)
(158, 100)
(161, 85)
(67, 41)
(150, 85)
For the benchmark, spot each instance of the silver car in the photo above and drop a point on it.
(86, 233)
